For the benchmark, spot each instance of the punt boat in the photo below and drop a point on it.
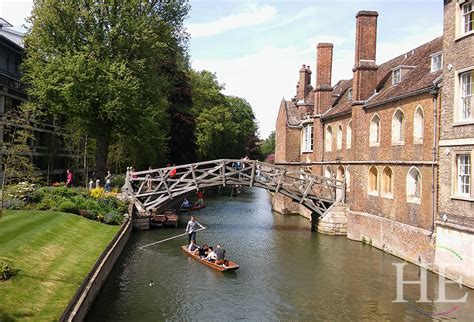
(231, 266)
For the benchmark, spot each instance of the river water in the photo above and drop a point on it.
(286, 272)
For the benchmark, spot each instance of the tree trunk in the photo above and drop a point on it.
(101, 155)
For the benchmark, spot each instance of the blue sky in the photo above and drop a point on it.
(257, 47)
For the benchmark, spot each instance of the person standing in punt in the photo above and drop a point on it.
(191, 228)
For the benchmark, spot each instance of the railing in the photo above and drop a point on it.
(152, 188)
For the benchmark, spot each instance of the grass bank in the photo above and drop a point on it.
(53, 252)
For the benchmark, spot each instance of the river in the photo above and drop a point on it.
(286, 272)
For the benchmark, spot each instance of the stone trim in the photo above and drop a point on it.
(456, 142)
(394, 162)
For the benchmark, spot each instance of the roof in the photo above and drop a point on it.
(418, 77)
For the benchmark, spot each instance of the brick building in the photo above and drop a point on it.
(455, 224)
(378, 131)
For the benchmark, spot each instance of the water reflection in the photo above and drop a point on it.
(287, 273)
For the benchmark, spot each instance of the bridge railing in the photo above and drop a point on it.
(153, 187)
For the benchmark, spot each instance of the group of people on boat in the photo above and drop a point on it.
(199, 203)
(205, 251)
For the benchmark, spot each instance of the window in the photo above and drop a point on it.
(463, 175)
(348, 179)
(328, 141)
(418, 125)
(436, 62)
(398, 127)
(307, 139)
(328, 172)
(373, 181)
(467, 95)
(349, 135)
(349, 94)
(396, 76)
(374, 136)
(414, 185)
(387, 182)
(339, 138)
(467, 17)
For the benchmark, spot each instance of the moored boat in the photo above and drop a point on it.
(193, 208)
(231, 266)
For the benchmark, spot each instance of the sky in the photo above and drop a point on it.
(257, 47)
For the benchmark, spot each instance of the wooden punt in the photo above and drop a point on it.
(232, 266)
(193, 208)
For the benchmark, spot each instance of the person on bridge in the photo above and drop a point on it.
(191, 229)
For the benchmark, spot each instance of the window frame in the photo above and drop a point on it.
(455, 176)
(460, 100)
(341, 132)
(412, 198)
(379, 132)
(396, 76)
(307, 143)
(387, 194)
(349, 135)
(416, 139)
(371, 192)
(328, 139)
(464, 17)
(401, 135)
(433, 58)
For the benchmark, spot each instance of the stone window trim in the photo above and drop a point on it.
(328, 139)
(349, 135)
(418, 125)
(398, 127)
(464, 15)
(339, 135)
(349, 94)
(373, 181)
(374, 131)
(307, 138)
(387, 187)
(436, 61)
(455, 193)
(328, 172)
(348, 178)
(463, 95)
(413, 187)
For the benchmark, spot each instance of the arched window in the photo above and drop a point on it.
(373, 183)
(375, 131)
(349, 135)
(348, 179)
(328, 142)
(398, 127)
(414, 185)
(339, 137)
(387, 182)
(328, 172)
(418, 125)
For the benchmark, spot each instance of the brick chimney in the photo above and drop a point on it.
(323, 91)
(365, 68)
(302, 89)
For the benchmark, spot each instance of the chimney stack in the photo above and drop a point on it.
(365, 68)
(302, 89)
(323, 91)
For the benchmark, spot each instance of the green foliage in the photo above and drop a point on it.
(6, 271)
(69, 206)
(268, 145)
(108, 67)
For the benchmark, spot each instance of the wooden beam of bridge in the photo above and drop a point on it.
(152, 188)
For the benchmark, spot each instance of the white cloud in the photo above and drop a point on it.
(15, 11)
(256, 16)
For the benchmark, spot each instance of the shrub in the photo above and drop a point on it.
(14, 204)
(118, 181)
(113, 218)
(21, 191)
(6, 271)
(97, 193)
(69, 206)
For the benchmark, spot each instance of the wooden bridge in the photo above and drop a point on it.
(155, 187)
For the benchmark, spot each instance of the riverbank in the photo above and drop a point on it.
(53, 253)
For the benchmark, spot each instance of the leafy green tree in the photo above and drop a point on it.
(109, 66)
(268, 145)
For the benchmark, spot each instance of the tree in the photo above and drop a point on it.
(268, 145)
(107, 65)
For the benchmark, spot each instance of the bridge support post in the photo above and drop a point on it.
(314, 221)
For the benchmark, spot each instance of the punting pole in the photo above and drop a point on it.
(170, 238)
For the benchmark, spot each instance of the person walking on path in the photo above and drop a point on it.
(69, 178)
(191, 229)
(108, 181)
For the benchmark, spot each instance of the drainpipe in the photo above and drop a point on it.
(435, 92)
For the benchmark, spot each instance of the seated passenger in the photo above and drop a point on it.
(192, 246)
(202, 251)
(211, 256)
(186, 204)
(220, 256)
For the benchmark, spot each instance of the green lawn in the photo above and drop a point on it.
(53, 252)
